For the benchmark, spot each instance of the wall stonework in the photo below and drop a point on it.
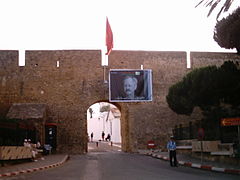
(70, 89)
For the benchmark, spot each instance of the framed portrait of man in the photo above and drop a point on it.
(127, 85)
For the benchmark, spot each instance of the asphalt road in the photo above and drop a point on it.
(111, 164)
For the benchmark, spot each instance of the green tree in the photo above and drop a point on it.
(206, 87)
(196, 89)
(214, 89)
(105, 108)
(215, 3)
(227, 31)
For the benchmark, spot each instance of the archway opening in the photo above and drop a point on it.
(104, 127)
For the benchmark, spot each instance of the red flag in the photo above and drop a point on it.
(109, 38)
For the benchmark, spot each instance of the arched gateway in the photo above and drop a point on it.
(67, 82)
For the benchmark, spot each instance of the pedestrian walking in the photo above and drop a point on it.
(108, 138)
(92, 137)
(171, 146)
(103, 134)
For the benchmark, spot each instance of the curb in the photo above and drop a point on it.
(35, 169)
(198, 166)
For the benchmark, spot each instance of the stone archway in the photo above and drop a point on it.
(124, 125)
(68, 91)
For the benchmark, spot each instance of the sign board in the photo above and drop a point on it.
(151, 145)
(230, 122)
(130, 85)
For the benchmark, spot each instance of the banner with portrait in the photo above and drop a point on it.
(126, 85)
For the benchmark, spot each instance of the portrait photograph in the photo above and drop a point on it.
(130, 85)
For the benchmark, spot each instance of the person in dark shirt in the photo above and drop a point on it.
(103, 134)
(91, 136)
(108, 138)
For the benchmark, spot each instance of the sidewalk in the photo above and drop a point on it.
(49, 161)
(188, 161)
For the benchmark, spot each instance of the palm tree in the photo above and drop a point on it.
(214, 3)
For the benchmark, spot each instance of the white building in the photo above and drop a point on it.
(107, 121)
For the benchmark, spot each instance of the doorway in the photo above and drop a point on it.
(103, 127)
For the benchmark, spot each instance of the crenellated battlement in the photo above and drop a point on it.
(70, 88)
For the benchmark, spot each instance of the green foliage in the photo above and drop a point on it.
(177, 99)
(214, 3)
(229, 84)
(227, 33)
(216, 91)
(211, 122)
(105, 108)
(212, 119)
(206, 87)
(196, 89)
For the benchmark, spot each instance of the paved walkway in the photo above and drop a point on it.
(45, 162)
(54, 160)
(103, 146)
(187, 160)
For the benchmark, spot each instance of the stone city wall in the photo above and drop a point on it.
(70, 89)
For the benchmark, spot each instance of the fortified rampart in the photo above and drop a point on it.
(70, 89)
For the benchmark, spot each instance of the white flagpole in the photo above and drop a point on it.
(104, 63)
(104, 56)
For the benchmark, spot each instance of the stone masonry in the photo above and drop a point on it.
(70, 89)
